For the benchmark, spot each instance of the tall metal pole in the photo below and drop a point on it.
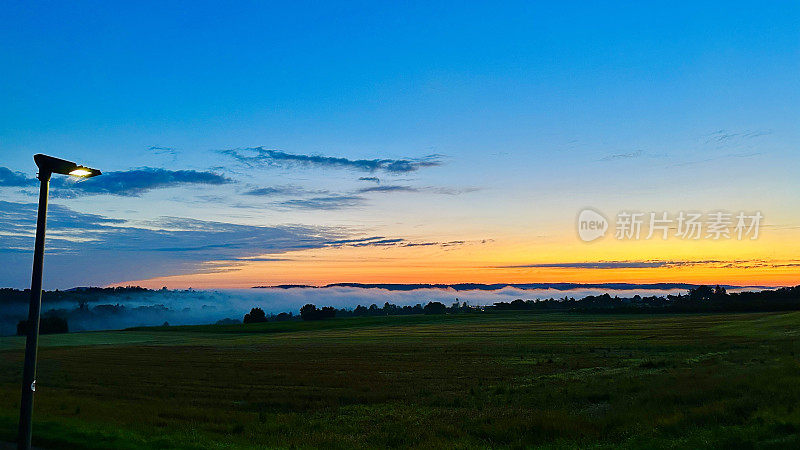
(32, 342)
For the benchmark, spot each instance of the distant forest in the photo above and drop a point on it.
(79, 295)
(698, 299)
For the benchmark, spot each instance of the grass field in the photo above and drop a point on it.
(490, 380)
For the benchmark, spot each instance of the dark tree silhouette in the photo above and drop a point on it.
(283, 316)
(47, 325)
(228, 321)
(435, 308)
(307, 311)
(256, 315)
(310, 312)
(701, 293)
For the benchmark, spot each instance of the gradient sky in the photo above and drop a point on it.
(256, 143)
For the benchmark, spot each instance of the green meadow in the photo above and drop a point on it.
(493, 380)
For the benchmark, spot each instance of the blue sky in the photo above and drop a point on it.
(508, 118)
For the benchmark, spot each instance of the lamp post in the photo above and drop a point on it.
(47, 166)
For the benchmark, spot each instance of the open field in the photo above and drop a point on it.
(489, 380)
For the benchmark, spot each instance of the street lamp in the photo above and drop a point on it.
(47, 166)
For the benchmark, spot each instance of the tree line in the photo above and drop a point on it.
(697, 299)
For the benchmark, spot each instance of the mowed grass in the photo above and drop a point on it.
(508, 380)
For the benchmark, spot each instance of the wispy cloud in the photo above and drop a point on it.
(271, 191)
(259, 156)
(135, 182)
(328, 202)
(594, 265)
(340, 201)
(382, 241)
(357, 240)
(452, 191)
(617, 156)
(373, 179)
(726, 137)
(389, 188)
(163, 150)
(260, 259)
(651, 264)
(379, 243)
(724, 144)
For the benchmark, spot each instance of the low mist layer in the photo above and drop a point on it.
(150, 308)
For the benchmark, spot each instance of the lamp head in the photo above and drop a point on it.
(49, 164)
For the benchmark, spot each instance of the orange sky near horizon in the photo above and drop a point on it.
(767, 261)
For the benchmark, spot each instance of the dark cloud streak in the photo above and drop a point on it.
(388, 188)
(649, 264)
(271, 191)
(133, 183)
(259, 156)
(328, 202)
(94, 249)
(13, 178)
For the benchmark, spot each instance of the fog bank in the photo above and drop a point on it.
(205, 307)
